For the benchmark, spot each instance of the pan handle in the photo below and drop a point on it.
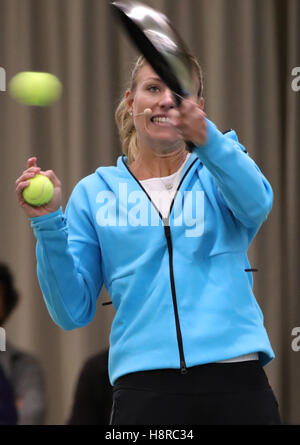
(190, 146)
(178, 100)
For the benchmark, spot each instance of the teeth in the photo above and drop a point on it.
(161, 120)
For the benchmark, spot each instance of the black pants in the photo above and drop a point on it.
(214, 394)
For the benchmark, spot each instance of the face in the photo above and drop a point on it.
(152, 93)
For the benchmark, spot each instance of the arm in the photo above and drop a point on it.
(69, 262)
(242, 186)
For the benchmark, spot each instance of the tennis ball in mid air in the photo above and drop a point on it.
(34, 88)
(39, 192)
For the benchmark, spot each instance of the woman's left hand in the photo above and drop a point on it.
(189, 120)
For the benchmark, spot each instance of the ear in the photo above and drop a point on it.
(129, 100)
(201, 103)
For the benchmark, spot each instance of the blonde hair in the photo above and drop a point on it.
(124, 120)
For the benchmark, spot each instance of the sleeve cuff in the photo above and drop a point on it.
(212, 134)
(51, 221)
(217, 144)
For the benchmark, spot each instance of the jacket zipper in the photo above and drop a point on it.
(166, 222)
(183, 368)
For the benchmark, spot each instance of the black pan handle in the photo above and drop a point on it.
(178, 99)
(190, 146)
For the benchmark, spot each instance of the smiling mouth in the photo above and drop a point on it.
(161, 121)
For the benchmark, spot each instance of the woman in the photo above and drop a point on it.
(167, 232)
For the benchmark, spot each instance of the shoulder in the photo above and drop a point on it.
(231, 134)
(104, 178)
(101, 177)
(87, 189)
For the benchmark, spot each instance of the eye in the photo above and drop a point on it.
(153, 88)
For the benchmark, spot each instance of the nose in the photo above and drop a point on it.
(167, 101)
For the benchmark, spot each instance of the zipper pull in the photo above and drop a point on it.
(183, 368)
(166, 222)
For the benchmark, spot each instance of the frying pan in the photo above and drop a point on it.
(155, 37)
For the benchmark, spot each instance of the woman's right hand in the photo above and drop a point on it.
(23, 181)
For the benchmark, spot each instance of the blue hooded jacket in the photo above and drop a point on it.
(181, 287)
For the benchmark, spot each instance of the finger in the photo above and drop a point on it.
(19, 190)
(26, 176)
(192, 113)
(187, 105)
(31, 162)
(175, 116)
(32, 169)
(190, 106)
(52, 176)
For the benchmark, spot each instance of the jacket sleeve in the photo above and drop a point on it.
(241, 184)
(69, 262)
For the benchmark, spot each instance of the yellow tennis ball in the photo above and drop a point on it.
(34, 88)
(39, 192)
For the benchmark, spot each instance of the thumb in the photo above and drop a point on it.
(31, 162)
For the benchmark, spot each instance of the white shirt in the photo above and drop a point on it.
(162, 190)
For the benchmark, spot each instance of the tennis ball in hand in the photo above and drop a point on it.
(34, 88)
(39, 192)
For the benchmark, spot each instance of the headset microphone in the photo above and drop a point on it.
(147, 113)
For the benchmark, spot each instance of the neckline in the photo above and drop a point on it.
(173, 175)
(191, 160)
(122, 163)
